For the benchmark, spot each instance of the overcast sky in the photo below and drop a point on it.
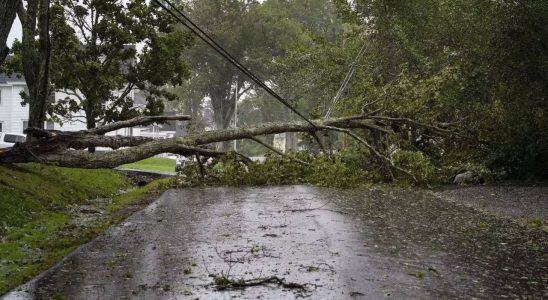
(16, 32)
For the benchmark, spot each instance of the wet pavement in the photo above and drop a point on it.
(368, 244)
(516, 199)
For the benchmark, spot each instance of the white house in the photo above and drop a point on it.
(14, 116)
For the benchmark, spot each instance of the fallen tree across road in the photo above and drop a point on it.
(67, 148)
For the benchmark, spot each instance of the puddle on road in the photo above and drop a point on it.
(171, 249)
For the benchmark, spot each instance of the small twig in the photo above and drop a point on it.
(321, 207)
(205, 265)
(369, 104)
(311, 209)
(318, 267)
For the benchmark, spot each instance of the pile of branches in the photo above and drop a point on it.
(68, 149)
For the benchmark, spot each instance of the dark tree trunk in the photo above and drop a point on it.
(8, 10)
(36, 61)
(223, 109)
(90, 124)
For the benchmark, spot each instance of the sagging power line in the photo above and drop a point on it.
(346, 79)
(188, 23)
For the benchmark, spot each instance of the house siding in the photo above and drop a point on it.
(12, 113)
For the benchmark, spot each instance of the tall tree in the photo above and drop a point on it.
(480, 63)
(259, 35)
(97, 62)
(251, 32)
(36, 58)
(32, 58)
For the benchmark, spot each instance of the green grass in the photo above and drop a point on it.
(35, 219)
(28, 191)
(153, 164)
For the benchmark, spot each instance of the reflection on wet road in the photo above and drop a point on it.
(318, 237)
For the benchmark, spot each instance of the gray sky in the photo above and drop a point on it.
(16, 32)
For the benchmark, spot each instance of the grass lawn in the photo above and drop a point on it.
(153, 164)
(38, 223)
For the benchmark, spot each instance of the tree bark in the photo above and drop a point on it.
(90, 123)
(142, 121)
(36, 61)
(56, 150)
(8, 10)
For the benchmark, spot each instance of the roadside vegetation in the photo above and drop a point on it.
(47, 211)
(152, 164)
(341, 170)
(275, 170)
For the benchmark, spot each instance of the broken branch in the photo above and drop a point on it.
(138, 121)
(223, 283)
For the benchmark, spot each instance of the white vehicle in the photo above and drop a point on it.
(7, 139)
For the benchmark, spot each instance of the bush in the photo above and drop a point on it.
(418, 164)
(277, 170)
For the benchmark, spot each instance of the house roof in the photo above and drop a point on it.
(4, 78)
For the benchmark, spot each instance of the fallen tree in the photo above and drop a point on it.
(67, 149)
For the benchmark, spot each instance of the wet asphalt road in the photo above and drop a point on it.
(306, 235)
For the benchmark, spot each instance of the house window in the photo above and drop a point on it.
(1, 126)
(25, 125)
(49, 125)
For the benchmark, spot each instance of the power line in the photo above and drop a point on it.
(188, 23)
(347, 78)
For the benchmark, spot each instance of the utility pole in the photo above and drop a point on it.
(235, 112)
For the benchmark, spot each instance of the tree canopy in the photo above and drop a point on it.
(419, 69)
(102, 51)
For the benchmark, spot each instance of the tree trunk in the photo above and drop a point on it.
(58, 147)
(8, 10)
(90, 124)
(36, 61)
(53, 148)
(223, 109)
